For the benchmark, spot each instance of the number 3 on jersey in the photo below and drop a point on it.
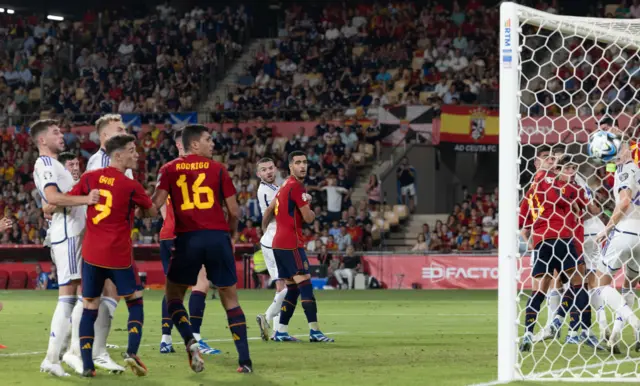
(275, 210)
(104, 209)
(191, 198)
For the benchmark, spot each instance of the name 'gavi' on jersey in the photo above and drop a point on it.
(266, 194)
(66, 222)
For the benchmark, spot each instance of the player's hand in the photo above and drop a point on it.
(93, 197)
(602, 237)
(306, 197)
(5, 223)
(48, 216)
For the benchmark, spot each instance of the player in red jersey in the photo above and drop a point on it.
(290, 208)
(544, 211)
(199, 189)
(197, 300)
(107, 248)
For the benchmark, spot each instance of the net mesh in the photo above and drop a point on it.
(575, 73)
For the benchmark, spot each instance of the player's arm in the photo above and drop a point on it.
(618, 213)
(142, 200)
(49, 209)
(161, 193)
(163, 211)
(229, 194)
(268, 214)
(79, 195)
(302, 200)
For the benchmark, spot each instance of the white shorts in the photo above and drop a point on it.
(592, 252)
(622, 249)
(67, 256)
(270, 261)
(409, 190)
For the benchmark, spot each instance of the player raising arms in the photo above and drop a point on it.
(108, 250)
(266, 193)
(107, 126)
(622, 246)
(544, 211)
(197, 300)
(199, 187)
(67, 225)
(290, 208)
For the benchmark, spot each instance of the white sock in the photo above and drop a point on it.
(167, 339)
(76, 315)
(111, 304)
(601, 314)
(283, 327)
(314, 326)
(616, 302)
(629, 296)
(59, 327)
(553, 303)
(572, 334)
(618, 325)
(197, 337)
(276, 305)
(102, 328)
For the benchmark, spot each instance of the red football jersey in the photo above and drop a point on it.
(107, 240)
(169, 224)
(289, 199)
(575, 218)
(198, 187)
(546, 208)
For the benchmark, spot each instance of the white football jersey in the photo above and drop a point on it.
(266, 194)
(67, 222)
(101, 160)
(627, 176)
(592, 224)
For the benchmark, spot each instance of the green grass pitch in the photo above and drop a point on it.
(382, 338)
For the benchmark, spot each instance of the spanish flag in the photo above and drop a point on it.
(469, 124)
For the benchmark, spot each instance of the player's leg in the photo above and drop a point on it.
(166, 343)
(630, 283)
(338, 274)
(308, 300)
(541, 275)
(592, 252)
(183, 273)
(128, 285)
(108, 304)
(72, 356)
(271, 316)
(220, 265)
(92, 284)
(197, 303)
(67, 258)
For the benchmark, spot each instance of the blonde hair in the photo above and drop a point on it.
(104, 120)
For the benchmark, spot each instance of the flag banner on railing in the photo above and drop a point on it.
(468, 125)
(412, 122)
(132, 120)
(183, 119)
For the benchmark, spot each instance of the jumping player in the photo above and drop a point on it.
(544, 211)
(67, 226)
(197, 300)
(290, 208)
(107, 126)
(266, 193)
(108, 250)
(198, 187)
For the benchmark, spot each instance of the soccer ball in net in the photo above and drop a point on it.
(603, 146)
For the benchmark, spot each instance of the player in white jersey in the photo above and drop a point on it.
(67, 227)
(622, 247)
(107, 126)
(266, 193)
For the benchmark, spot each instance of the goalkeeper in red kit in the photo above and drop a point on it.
(199, 189)
(107, 248)
(544, 212)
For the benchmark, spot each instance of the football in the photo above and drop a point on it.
(603, 146)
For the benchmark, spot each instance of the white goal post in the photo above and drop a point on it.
(524, 34)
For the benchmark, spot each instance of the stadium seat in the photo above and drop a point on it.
(401, 211)
(17, 280)
(4, 279)
(391, 218)
(358, 158)
(375, 233)
(32, 280)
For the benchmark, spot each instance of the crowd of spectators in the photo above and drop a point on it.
(471, 226)
(368, 56)
(113, 63)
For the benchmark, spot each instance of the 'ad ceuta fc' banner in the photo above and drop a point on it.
(453, 271)
(480, 125)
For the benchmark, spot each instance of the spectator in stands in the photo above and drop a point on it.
(343, 239)
(490, 221)
(374, 192)
(406, 183)
(42, 278)
(421, 244)
(334, 199)
(349, 266)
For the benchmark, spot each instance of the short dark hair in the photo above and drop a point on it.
(41, 126)
(559, 149)
(177, 135)
(608, 121)
(264, 160)
(296, 153)
(192, 133)
(118, 142)
(66, 156)
(543, 149)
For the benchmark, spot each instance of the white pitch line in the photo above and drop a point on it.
(23, 354)
(492, 383)
(409, 314)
